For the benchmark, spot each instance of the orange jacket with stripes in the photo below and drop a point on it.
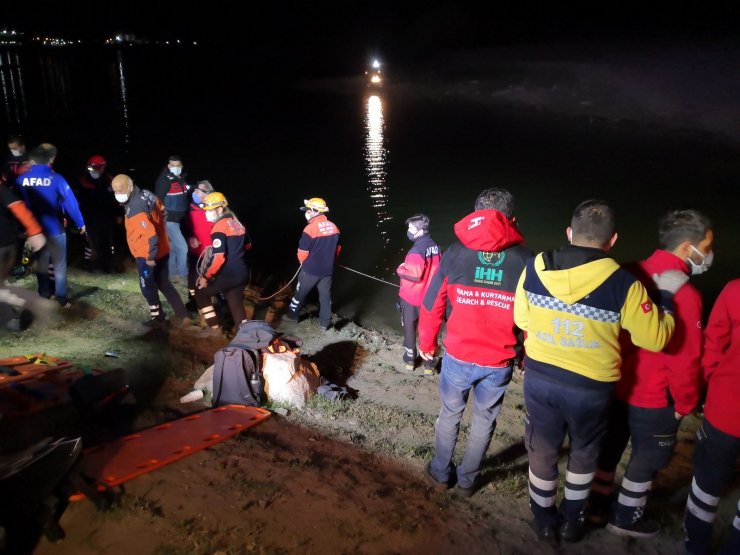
(145, 226)
(319, 246)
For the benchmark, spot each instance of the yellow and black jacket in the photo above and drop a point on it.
(572, 303)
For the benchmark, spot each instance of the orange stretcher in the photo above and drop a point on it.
(26, 367)
(46, 384)
(126, 458)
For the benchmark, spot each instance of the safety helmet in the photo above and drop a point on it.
(315, 203)
(96, 162)
(213, 201)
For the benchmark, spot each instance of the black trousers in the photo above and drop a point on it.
(232, 292)
(152, 280)
(715, 457)
(306, 283)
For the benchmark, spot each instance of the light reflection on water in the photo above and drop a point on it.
(124, 100)
(11, 80)
(376, 162)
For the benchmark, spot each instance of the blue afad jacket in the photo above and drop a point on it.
(50, 199)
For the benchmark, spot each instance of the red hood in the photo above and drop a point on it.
(488, 231)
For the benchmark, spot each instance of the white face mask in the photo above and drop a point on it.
(122, 198)
(211, 215)
(704, 265)
(176, 170)
(15, 152)
(94, 175)
(308, 215)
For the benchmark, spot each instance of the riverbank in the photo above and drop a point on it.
(336, 477)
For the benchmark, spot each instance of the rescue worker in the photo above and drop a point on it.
(172, 189)
(474, 290)
(572, 303)
(656, 390)
(717, 444)
(416, 274)
(16, 164)
(198, 231)
(101, 213)
(226, 273)
(317, 250)
(51, 200)
(13, 211)
(147, 239)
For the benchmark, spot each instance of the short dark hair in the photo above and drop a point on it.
(682, 225)
(16, 139)
(593, 221)
(174, 158)
(40, 155)
(496, 198)
(420, 221)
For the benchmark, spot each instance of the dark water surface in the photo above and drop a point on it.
(269, 138)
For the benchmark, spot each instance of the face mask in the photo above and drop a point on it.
(94, 175)
(15, 153)
(122, 198)
(706, 262)
(308, 215)
(177, 170)
(211, 216)
(197, 197)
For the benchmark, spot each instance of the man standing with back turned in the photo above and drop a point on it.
(474, 289)
(573, 302)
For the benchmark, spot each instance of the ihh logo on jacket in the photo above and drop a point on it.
(488, 273)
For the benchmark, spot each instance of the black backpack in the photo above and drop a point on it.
(236, 377)
(237, 372)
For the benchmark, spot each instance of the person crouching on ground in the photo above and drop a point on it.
(147, 239)
(227, 271)
(474, 289)
(416, 274)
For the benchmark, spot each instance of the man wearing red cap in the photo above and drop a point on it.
(101, 212)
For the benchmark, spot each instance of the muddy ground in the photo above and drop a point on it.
(335, 477)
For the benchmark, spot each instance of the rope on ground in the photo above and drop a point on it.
(369, 276)
(260, 299)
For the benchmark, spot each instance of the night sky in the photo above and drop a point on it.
(405, 31)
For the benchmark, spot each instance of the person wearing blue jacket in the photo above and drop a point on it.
(50, 199)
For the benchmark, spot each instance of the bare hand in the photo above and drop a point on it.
(151, 263)
(194, 243)
(427, 355)
(83, 230)
(202, 283)
(36, 242)
(678, 415)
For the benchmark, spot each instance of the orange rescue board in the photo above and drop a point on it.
(126, 458)
(16, 369)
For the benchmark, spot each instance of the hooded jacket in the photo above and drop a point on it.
(573, 303)
(50, 199)
(145, 226)
(417, 270)
(474, 289)
(721, 361)
(653, 380)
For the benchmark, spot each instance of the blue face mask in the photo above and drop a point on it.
(198, 197)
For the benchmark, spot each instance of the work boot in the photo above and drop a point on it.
(155, 323)
(546, 534)
(641, 528)
(599, 507)
(439, 485)
(572, 531)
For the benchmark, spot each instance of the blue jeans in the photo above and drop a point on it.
(178, 251)
(456, 380)
(55, 252)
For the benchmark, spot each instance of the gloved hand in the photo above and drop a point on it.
(36, 242)
(670, 281)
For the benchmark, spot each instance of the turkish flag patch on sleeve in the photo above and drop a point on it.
(646, 307)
